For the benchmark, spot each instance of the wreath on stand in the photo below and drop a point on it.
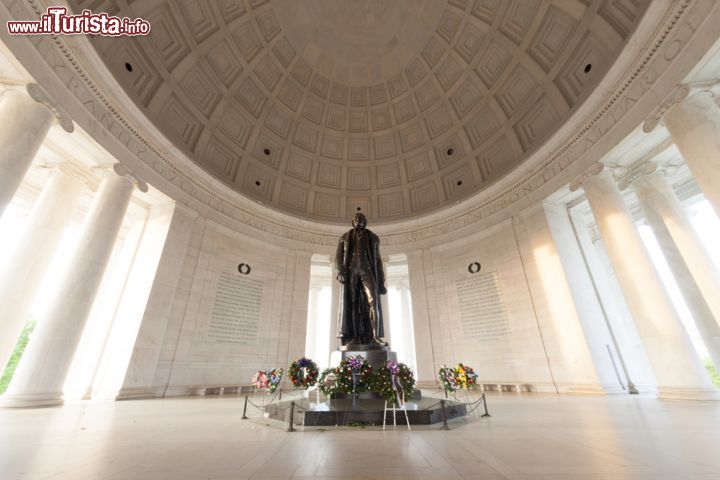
(353, 375)
(393, 381)
(303, 373)
(267, 381)
(466, 376)
(327, 383)
(447, 379)
(459, 377)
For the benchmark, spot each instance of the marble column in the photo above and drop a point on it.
(335, 292)
(299, 302)
(385, 303)
(25, 120)
(21, 278)
(158, 314)
(691, 265)
(610, 294)
(407, 319)
(423, 340)
(558, 319)
(43, 369)
(678, 370)
(311, 344)
(693, 120)
(605, 349)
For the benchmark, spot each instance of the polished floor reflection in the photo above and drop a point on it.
(528, 437)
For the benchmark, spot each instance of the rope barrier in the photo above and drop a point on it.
(261, 408)
(434, 405)
(341, 415)
(486, 414)
(444, 416)
(292, 414)
(476, 405)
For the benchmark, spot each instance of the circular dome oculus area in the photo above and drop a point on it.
(319, 108)
(358, 43)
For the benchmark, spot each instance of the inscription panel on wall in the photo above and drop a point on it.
(235, 315)
(482, 314)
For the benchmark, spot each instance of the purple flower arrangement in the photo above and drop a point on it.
(353, 375)
(305, 362)
(355, 362)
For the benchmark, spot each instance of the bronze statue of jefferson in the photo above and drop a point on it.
(360, 271)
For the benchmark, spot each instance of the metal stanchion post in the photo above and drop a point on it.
(280, 396)
(444, 416)
(244, 417)
(292, 412)
(486, 414)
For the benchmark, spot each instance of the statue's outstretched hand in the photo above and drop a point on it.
(341, 277)
(383, 290)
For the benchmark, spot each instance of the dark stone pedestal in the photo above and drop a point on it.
(376, 356)
(340, 412)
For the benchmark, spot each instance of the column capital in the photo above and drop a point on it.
(555, 206)
(121, 171)
(678, 95)
(39, 94)
(595, 169)
(644, 168)
(636, 171)
(75, 171)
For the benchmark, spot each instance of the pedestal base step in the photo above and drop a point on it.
(339, 412)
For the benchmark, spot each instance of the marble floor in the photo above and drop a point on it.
(529, 436)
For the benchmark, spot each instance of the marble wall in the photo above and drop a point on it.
(509, 348)
(179, 345)
(515, 320)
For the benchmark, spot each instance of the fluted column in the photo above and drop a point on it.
(24, 122)
(43, 369)
(678, 370)
(21, 278)
(691, 265)
(693, 120)
(335, 292)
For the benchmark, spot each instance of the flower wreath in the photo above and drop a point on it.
(362, 371)
(460, 377)
(447, 378)
(393, 381)
(267, 381)
(327, 383)
(466, 376)
(303, 373)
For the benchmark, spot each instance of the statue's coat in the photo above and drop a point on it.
(353, 323)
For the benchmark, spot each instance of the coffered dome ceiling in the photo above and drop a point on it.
(399, 108)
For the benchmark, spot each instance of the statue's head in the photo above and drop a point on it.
(359, 221)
